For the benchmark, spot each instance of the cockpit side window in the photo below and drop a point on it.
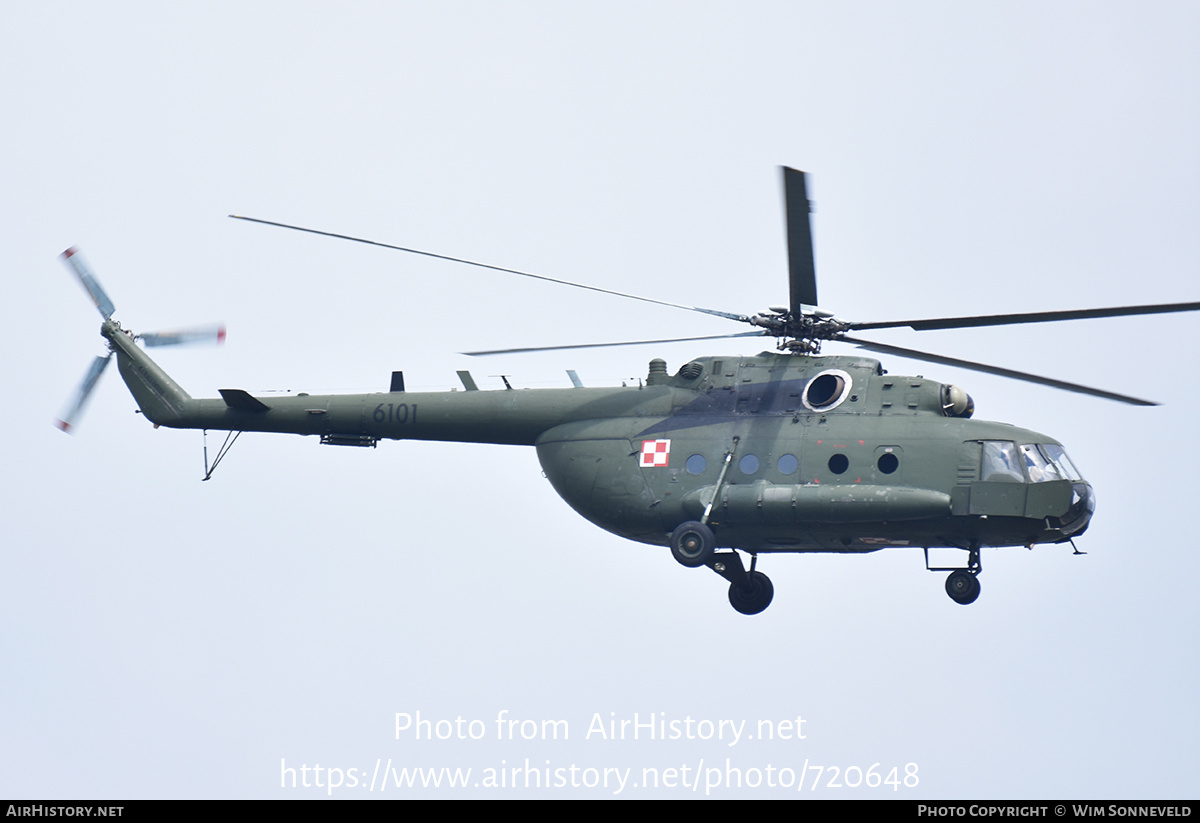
(1000, 462)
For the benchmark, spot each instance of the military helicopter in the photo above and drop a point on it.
(784, 451)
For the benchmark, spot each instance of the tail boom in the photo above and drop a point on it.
(500, 417)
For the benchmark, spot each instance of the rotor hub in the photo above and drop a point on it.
(800, 334)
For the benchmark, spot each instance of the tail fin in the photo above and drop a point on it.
(160, 398)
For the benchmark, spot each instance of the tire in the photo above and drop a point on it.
(963, 587)
(754, 597)
(693, 544)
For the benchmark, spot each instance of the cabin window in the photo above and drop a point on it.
(748, 464)
(839, 462)
(788, 464)
(887, 462)
(696, 464)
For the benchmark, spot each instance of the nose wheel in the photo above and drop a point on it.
(963, 584)
(963, 587)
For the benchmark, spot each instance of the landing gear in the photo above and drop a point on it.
(693, 544)
(963, 584)
(963, 587)
(754, 595)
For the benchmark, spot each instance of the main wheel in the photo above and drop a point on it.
(963, 587)
(753, 597)
(692, 544)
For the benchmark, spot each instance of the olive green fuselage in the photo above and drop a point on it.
(777, 452)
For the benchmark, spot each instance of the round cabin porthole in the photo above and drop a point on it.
(888, 462)
(827, 390)
(748, 464)
(838, 463)
(696, 464)
(788, 464)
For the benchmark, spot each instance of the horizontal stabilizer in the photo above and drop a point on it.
(242, 399)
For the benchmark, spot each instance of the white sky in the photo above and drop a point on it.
(168, 638)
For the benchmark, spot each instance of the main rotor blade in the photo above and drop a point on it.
(197, 334)
(913, 354)
(802, 272)
(605, 345)
(739, 317)
(75, 407)
(1028, 317)
(74, 259)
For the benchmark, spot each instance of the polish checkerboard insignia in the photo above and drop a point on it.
(655, 453)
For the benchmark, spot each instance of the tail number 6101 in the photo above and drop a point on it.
(395, 413)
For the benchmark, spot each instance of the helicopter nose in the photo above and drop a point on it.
(1083, 506)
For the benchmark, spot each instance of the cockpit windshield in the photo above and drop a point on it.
(1058, 456)
(1033, 462)
(1039, 469)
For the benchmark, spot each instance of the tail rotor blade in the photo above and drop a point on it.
(79, 401)
(74, 259)
(214, 334)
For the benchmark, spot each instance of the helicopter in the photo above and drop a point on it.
(784, 451)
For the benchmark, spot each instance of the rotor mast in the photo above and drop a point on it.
(801, 326)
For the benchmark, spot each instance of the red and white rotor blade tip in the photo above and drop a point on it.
(213, 334)
(79, 401)
(75, 260)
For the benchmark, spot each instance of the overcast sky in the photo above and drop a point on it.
(165, 637)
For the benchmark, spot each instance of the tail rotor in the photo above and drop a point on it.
(213, 333)
(75, 260)
(79, 401)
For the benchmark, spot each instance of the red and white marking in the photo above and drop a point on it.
(655, 453)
